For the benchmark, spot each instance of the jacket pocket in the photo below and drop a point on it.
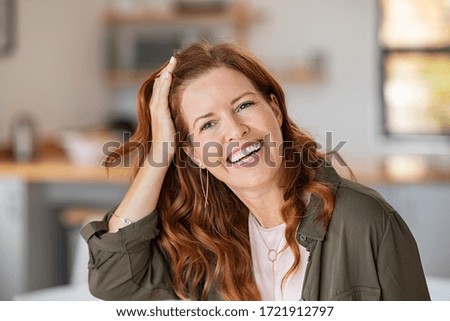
(359, 293)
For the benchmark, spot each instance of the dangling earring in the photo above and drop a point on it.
(205, 191)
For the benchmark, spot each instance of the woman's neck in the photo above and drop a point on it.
(264, 203)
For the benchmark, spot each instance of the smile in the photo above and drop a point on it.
(245, 153)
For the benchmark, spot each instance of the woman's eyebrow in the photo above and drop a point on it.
(201, 117)
(240, 96)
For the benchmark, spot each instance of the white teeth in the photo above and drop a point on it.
(242, 153)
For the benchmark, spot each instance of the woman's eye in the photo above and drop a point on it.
(206, 126)
(244, 105)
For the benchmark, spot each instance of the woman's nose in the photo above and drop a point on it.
(235, 129)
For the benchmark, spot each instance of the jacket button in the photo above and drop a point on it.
(302, 238)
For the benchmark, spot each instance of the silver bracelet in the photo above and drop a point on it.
(124, 220)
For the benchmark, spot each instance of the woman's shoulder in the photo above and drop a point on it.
(360, 205)
(351, 197)
(356, 193)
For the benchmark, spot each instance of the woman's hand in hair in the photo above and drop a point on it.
(163, 129)
(143, 194)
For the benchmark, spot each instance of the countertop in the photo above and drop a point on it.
(399, 171)
(53, 164)
(63, 171)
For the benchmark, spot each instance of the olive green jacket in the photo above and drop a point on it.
(367, 252)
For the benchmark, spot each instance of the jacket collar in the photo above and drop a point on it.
(309, 226)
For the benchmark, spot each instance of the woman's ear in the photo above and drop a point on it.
(276, 109)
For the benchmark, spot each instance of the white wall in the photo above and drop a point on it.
(54, 72)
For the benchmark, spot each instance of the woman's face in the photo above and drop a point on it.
(234, 131)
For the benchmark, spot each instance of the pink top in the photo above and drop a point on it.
(268, 274)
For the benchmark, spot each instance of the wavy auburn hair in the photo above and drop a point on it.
(209, 248)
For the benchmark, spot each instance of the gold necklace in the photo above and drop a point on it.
(272, 254)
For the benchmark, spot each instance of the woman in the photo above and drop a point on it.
(231, 200)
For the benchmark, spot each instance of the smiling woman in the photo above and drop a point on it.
(231, 200)
(237, 119)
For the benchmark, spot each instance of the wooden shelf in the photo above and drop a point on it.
(126, 17)
(238, 15)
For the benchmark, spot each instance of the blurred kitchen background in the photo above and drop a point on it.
(368, 78)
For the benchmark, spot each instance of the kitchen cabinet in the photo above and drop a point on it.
(13, 236)
(34, 242)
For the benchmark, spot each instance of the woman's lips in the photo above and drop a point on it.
(244, 154)
(249, 161)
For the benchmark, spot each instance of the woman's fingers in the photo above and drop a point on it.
(162, 83)
(166, 78)
(163, 129)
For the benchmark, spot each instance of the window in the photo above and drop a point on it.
(414, 36)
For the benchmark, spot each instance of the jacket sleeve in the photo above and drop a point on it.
(127, 265)
(399, 267)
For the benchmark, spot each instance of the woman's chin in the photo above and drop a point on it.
(250, 177)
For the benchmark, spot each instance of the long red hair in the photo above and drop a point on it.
(209, 248)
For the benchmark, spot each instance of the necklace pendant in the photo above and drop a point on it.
(272, 254)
